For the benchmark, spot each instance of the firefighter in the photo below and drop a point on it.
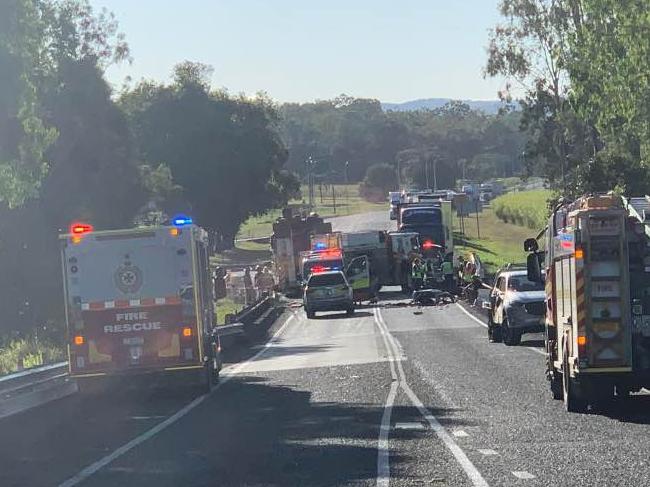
(248, 287)
(448, 272)
(417, 273)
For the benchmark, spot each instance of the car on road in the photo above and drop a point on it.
(328, 291)
(516, 306)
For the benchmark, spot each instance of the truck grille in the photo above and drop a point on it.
(536, 308)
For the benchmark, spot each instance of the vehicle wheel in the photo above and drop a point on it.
(622, 393)
(494, 331)
(310, 314)
(350, 311)
(572, 402)
(556, 386)
(510, 337)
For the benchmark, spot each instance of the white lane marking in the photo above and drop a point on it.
(523, 475)
(139, 418)
(409, 426)
(487, 451)
(99, 464)
(383, 454)
(466, 464)
(460, 434)
(485, 326)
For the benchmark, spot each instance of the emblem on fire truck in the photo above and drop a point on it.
(128, 278)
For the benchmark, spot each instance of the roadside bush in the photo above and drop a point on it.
(524, 208)
(379, 180)
(27, 353)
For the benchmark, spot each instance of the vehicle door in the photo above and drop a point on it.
(358, 274)
(497, 297)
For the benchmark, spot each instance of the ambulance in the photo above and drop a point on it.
(139, 301)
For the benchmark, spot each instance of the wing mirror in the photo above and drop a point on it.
(531, 245)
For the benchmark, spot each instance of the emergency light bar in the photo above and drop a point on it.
(80, 228)
(182, 220)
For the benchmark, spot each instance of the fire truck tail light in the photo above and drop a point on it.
(79, 340)
(579, 253)
(187, 331)
(582, 345)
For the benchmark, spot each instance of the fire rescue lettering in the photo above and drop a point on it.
(128, 327)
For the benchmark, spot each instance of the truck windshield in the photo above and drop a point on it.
(419, 216)
(332, 279)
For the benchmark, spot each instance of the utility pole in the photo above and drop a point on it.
(435, 173)
(426, 171)
(310, 181)
(334, 198)
(345, 169)
(478, 229)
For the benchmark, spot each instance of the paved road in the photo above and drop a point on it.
(394, 395)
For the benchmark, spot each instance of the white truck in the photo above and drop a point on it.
(139, 301)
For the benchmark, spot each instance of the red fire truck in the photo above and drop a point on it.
(597, 264)
(139, 301)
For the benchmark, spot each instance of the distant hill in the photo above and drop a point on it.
(487, 106)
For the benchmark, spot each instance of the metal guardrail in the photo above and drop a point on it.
(27, 378)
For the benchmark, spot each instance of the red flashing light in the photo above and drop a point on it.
(428, 244)
(317, 269)
(80, 228)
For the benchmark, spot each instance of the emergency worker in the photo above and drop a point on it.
(448, 272)
(417, 274)
(248, 287)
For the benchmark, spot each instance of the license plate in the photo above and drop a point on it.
(133, 341)
(135, 353)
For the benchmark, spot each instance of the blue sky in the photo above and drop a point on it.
(303, 50)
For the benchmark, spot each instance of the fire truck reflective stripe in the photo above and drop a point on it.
(580, 297)
(130, 303)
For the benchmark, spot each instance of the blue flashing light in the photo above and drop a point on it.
(181, 220)
(320, 246)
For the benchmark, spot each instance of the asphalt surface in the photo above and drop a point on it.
(394, 395)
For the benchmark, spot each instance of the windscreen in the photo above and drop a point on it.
(326, 279)
(422, 216)
(521, 283)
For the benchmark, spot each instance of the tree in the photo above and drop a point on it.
(225, 152)
(531, 49)
(24, 137)
(379, 180)
(610, 62)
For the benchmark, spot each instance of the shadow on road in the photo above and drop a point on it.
(256, 433)
(535, 343)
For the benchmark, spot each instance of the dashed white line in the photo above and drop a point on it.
(101, 463)
(523, 475)
(487, 452)
(410, 426)
(460, 434)
(466, 464)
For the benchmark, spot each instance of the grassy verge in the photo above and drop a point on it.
(344, 201)
(500, 242)
(524, 208)
(225, 306)
(248, 253)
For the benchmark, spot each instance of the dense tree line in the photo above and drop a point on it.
(345, 136)
(70, 149)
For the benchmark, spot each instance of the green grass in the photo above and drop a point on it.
(500, 242)
(223, 307)
(348, 202)
(524, 208)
